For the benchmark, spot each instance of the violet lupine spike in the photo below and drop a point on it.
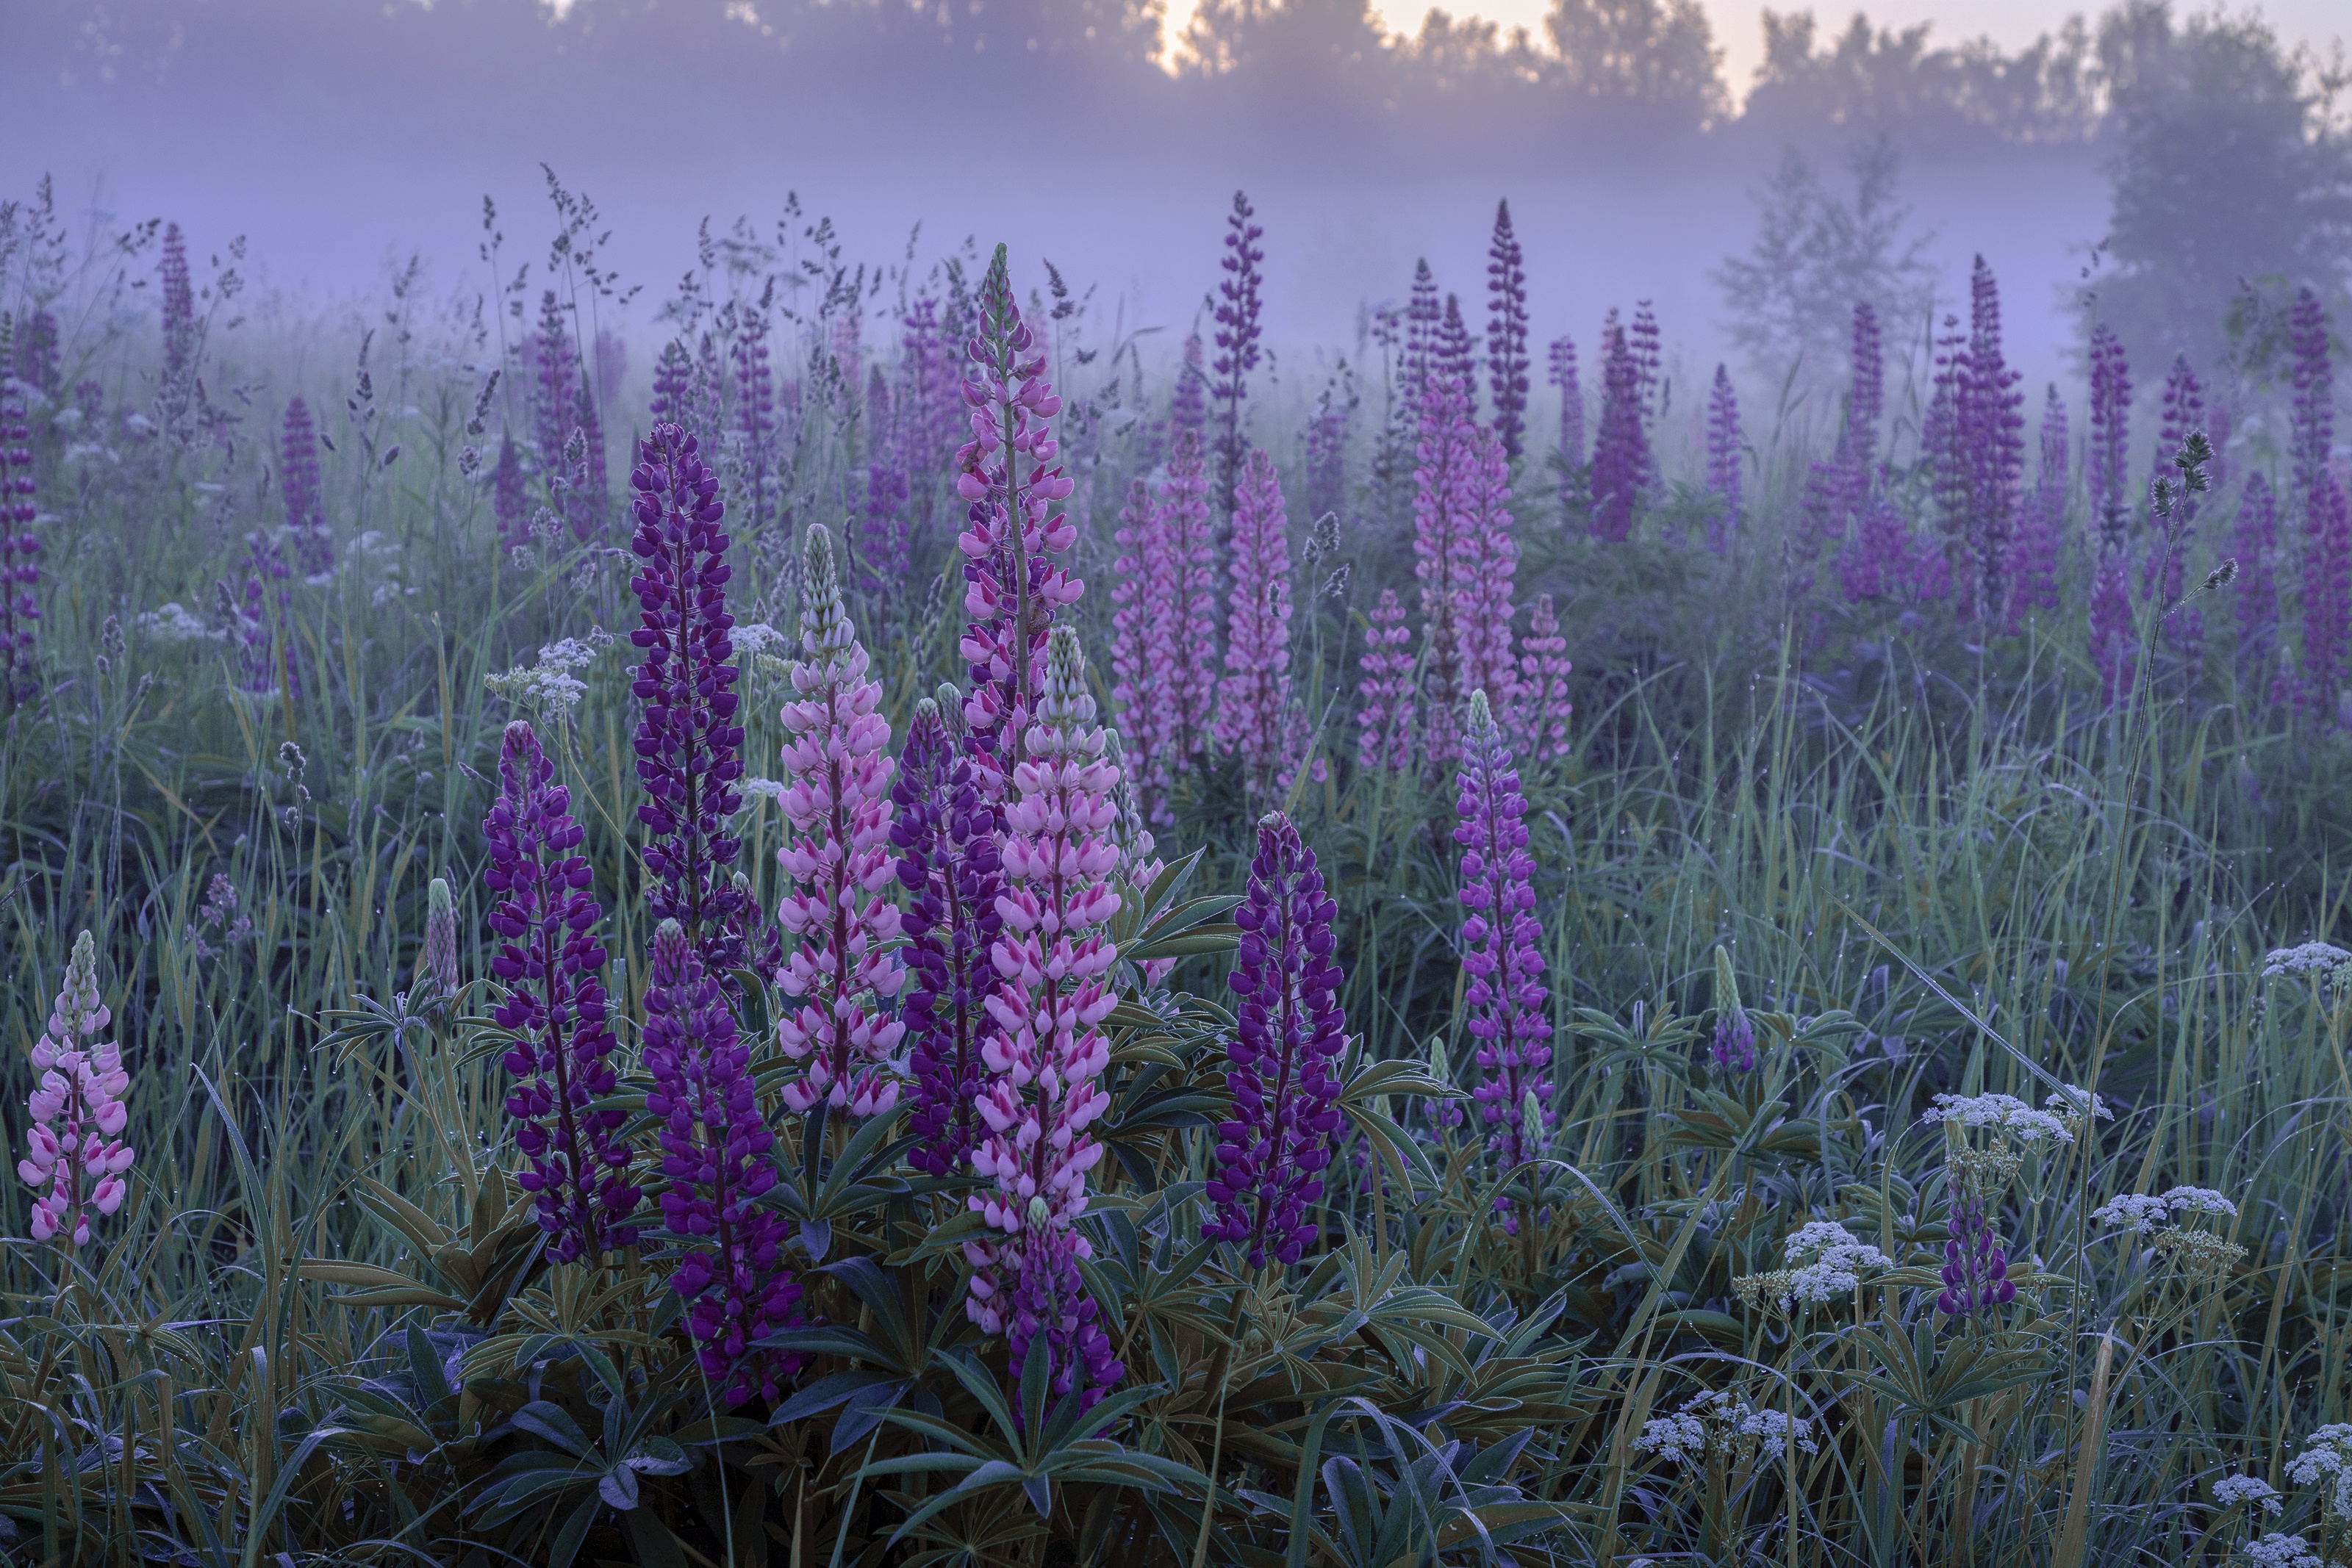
(2312, 418)
(948, 862)
(1489, 591)
(1975, 1268)
(74, 1152)
(756, 420)
(732, 1274)
(179, 307)
(1007, 476)
(1879, 565)
(673, 384)
(1188, 403)
(1543, 683)
(1185, 619)
(1141, 595)
(509, 501)
(930, 401)
(882, 558)
(555, 405)
(20, 548)
(2113, 652)
(837, 806)
(1988, 430)
(544, 921)
(1507, 334)
(1649, 355)
(2040, 525)
(1450, 353)
(264, 621)
(1255, 706)
(1283, 1057)
(2106, 461)
(1327, 449)
(1055, 958)
(2327, 602)
(2257, 549)
(1563, 375)
(688, 744)
(1505, 995)
(1421, 319)
(1446, 555)
(306, 508)
(2162, 578)
(1237, 337)
(1723, 460)
(1384, 711)
(1620, 453)
(1819, 529)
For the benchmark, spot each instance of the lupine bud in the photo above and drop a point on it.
(436, 966)
(75, 1149)
(1735, 1036)
(1976, 1269)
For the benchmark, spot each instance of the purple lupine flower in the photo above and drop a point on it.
(1237, 337)
(1288, 1034)
(1820, 525)
(74, 1150)
(1723, 459)
(1186, 622)
(1489, 588)
(1446, 555)
(1505, 995)
(20, 572)
(1451, 354)
(306, 508)
(2312, 421)
(756, 419)
(1621, 454)
(1980, 494)
(2256, 547)
(715, 1144)
(1865, 400)
(2040, 523)
(1326, 448)
(1006, 475)
(1056, 956)
(1543, 685)
(545, 920)
(2162, 577)
(1881, 564)
(1507, 334)
(673, 384)
(2111, 651)
(2106, 461)
(263, 617)
(1188, 402)
(883, 561)
(688, 743)
(837, 807)
(555, 413)
(2327, 600)
(1571, 401)
(510, 503)
(1421, 318)
(1256, 716)
(1976, 1269)
(930, 400)
(179, 307)
(948, 862)
(1384, 709)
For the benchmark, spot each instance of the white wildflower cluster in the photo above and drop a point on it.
(763, 789)
(755, 639)
(2282, 1552)
(2246, 1492)
(1826, 1262)
(2311, 957)
(2144, 1213)
(2003, 1113)
(2326, 1461)
(1720, 1423)
(2075, 1105)
(175, 623)
(550, 685)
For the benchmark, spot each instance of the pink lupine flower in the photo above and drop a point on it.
(1254, 712)
(1543, 685)
(839, 860)
(1053, 960)
(1385, 695)
(75, 1149)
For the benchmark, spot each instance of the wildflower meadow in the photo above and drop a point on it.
(877, 919)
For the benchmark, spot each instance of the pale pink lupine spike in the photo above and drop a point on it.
(75, 1149)
(840, 863)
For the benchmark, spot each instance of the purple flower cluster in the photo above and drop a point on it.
(2112, 649)
(948, 862)
(688, 743)
(544, 922)
(2312, 420)
(1256, 715)
(1976, 1269)
(306, 507)
(2040, 523)
(755, 414)
(1563, 375)
(20, 572)
(715, 1147)
(261, 629)
(1384, 696)
(509, 501)
(1288, 1034)
(883, 561)
(1327, 451)
(1620, 453)
(564, 408)
(1422, 316)
(1447, 555)
(1505, 999)
(1980, 469)
(1450, 353)
(1723, 460)
(1237, 337)
(2106, 462)
(1507, 334)
(2161, 579)
(75, 1155)
(179, 308)
(930, 399)
(1543, 685)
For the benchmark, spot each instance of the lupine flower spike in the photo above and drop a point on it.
(1255, 716)
(436, 962)
(75, 1154)
(548, 955)
(20, 572)
(1054, 960)
(1505, 997)
(1385, 695)
(837, 804)
(1506, 333)
(1289, 1033)
(1733, 1050)
(1237, 337)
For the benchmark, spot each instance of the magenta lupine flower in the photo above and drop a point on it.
(2184, 411)
(1237, 336)
(2106, 463)
(1053, 959)
(1507, 334)
(179, 307)
(544, 920)
(509, 502)
(2312, 420)
(2040, 525)
(2256, 547)
(2327, 600)
(1255, 713)
(1571, 401)
(1621, 454)
(1723, 460)
(1421, 318)
(715, 1152)
(306, 510)
(1384, 710)
(1543, 685)
(1733, 1049)
(948, 862)
(837, 805)
(1450, 353)
(1006, 475)
(1327, 449)
(20, 547)
(1505, 996)
(74, 1150)
(1820, 526)
(1976, 1269)
(1446, 555)
(688, 744)
(1288, 1034)
(2112, 649)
